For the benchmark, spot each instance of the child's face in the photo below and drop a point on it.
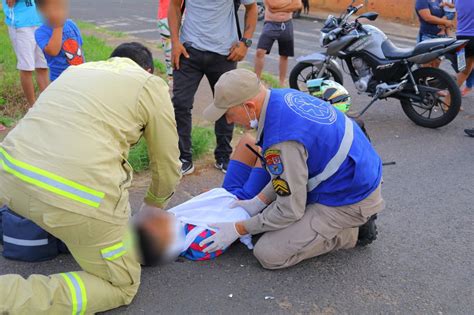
(55, 12)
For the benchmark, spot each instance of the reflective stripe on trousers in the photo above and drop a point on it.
(335, 163)
(78, 292)
(49, 181)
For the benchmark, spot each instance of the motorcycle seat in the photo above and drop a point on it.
(432, 44)
(391, 51)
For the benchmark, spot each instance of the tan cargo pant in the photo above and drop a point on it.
(322, 229)
(111, 275)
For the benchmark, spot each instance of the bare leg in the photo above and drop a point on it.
(283, 69)
(462, 76)
(42, 79)
(243, 154)
(26, 78)
(260, 61)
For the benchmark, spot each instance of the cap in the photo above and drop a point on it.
(233, 88)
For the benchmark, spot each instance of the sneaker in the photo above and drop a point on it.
(367, 232)
(187, 167)
(469, 132)
(222, 165)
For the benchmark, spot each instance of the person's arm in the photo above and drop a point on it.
(53, 48)
(239, 50)
(426, 15)
(157, 114)
(174, 21)
(284, 5)
(286, 209)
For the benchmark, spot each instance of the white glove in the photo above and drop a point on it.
(225, 235)
(253, 206)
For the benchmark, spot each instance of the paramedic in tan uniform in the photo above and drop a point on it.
(65, 167)
(325, 190)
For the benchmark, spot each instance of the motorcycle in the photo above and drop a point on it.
(430, 97)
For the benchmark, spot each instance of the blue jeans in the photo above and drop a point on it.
(470, 80)
(422, 37)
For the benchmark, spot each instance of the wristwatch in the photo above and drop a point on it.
(247, 42)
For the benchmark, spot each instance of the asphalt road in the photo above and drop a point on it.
(421, 263)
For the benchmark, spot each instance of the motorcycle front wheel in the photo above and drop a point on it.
(303, 72)
(439, 100)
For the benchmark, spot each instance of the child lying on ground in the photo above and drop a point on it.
(165, 235)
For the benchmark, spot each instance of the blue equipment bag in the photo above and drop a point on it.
(24, 240)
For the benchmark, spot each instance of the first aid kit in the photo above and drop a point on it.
(25, 241)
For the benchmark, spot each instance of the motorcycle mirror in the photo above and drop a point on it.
(371, 16)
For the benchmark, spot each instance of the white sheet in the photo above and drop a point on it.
(210, 207)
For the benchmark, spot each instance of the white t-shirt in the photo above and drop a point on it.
(207, 208)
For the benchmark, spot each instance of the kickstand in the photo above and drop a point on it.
(374, 99)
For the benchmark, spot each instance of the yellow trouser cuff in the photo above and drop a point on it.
(150, 198)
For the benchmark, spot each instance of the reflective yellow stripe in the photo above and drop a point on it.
(114, 252)
(50, 181)
(83, 292)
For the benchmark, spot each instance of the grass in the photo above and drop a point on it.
(13, 105)
(271, 80)
(203, 141)
(90, 26)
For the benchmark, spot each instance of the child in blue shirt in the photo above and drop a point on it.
(59, 37)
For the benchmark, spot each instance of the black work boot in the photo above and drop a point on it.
(367, 232)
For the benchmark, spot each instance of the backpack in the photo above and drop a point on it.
(23, 240)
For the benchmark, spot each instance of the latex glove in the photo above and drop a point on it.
(253, 206)
(225, 235)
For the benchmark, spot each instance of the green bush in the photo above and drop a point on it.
(203, 141)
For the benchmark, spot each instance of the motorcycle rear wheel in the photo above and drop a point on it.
(433, 102)
(300, 75)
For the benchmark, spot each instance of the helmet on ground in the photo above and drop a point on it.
(332, 92)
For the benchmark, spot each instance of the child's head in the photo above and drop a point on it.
(160, 236)
(54, 11)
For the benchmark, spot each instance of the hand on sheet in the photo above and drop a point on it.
(253, 206)
(225, 235)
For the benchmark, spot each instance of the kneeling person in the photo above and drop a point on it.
(325, 189)
(65, 167)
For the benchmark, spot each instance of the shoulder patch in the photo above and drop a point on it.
(281, 187)
(273, 162)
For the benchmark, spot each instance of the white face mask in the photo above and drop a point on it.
(253, 122)
(177, 245)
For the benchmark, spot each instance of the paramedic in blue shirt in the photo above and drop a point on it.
(325, 189)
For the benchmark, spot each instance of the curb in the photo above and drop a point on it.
(322, 20)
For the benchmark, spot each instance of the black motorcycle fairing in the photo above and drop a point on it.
(339, 45)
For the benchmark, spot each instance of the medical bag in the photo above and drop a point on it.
(25, 241)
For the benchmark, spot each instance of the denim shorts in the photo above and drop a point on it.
(422, 37)
(244, 181)
(450, 15)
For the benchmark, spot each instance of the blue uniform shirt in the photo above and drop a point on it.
(23, 14)
(71, 53)
(295, 116)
